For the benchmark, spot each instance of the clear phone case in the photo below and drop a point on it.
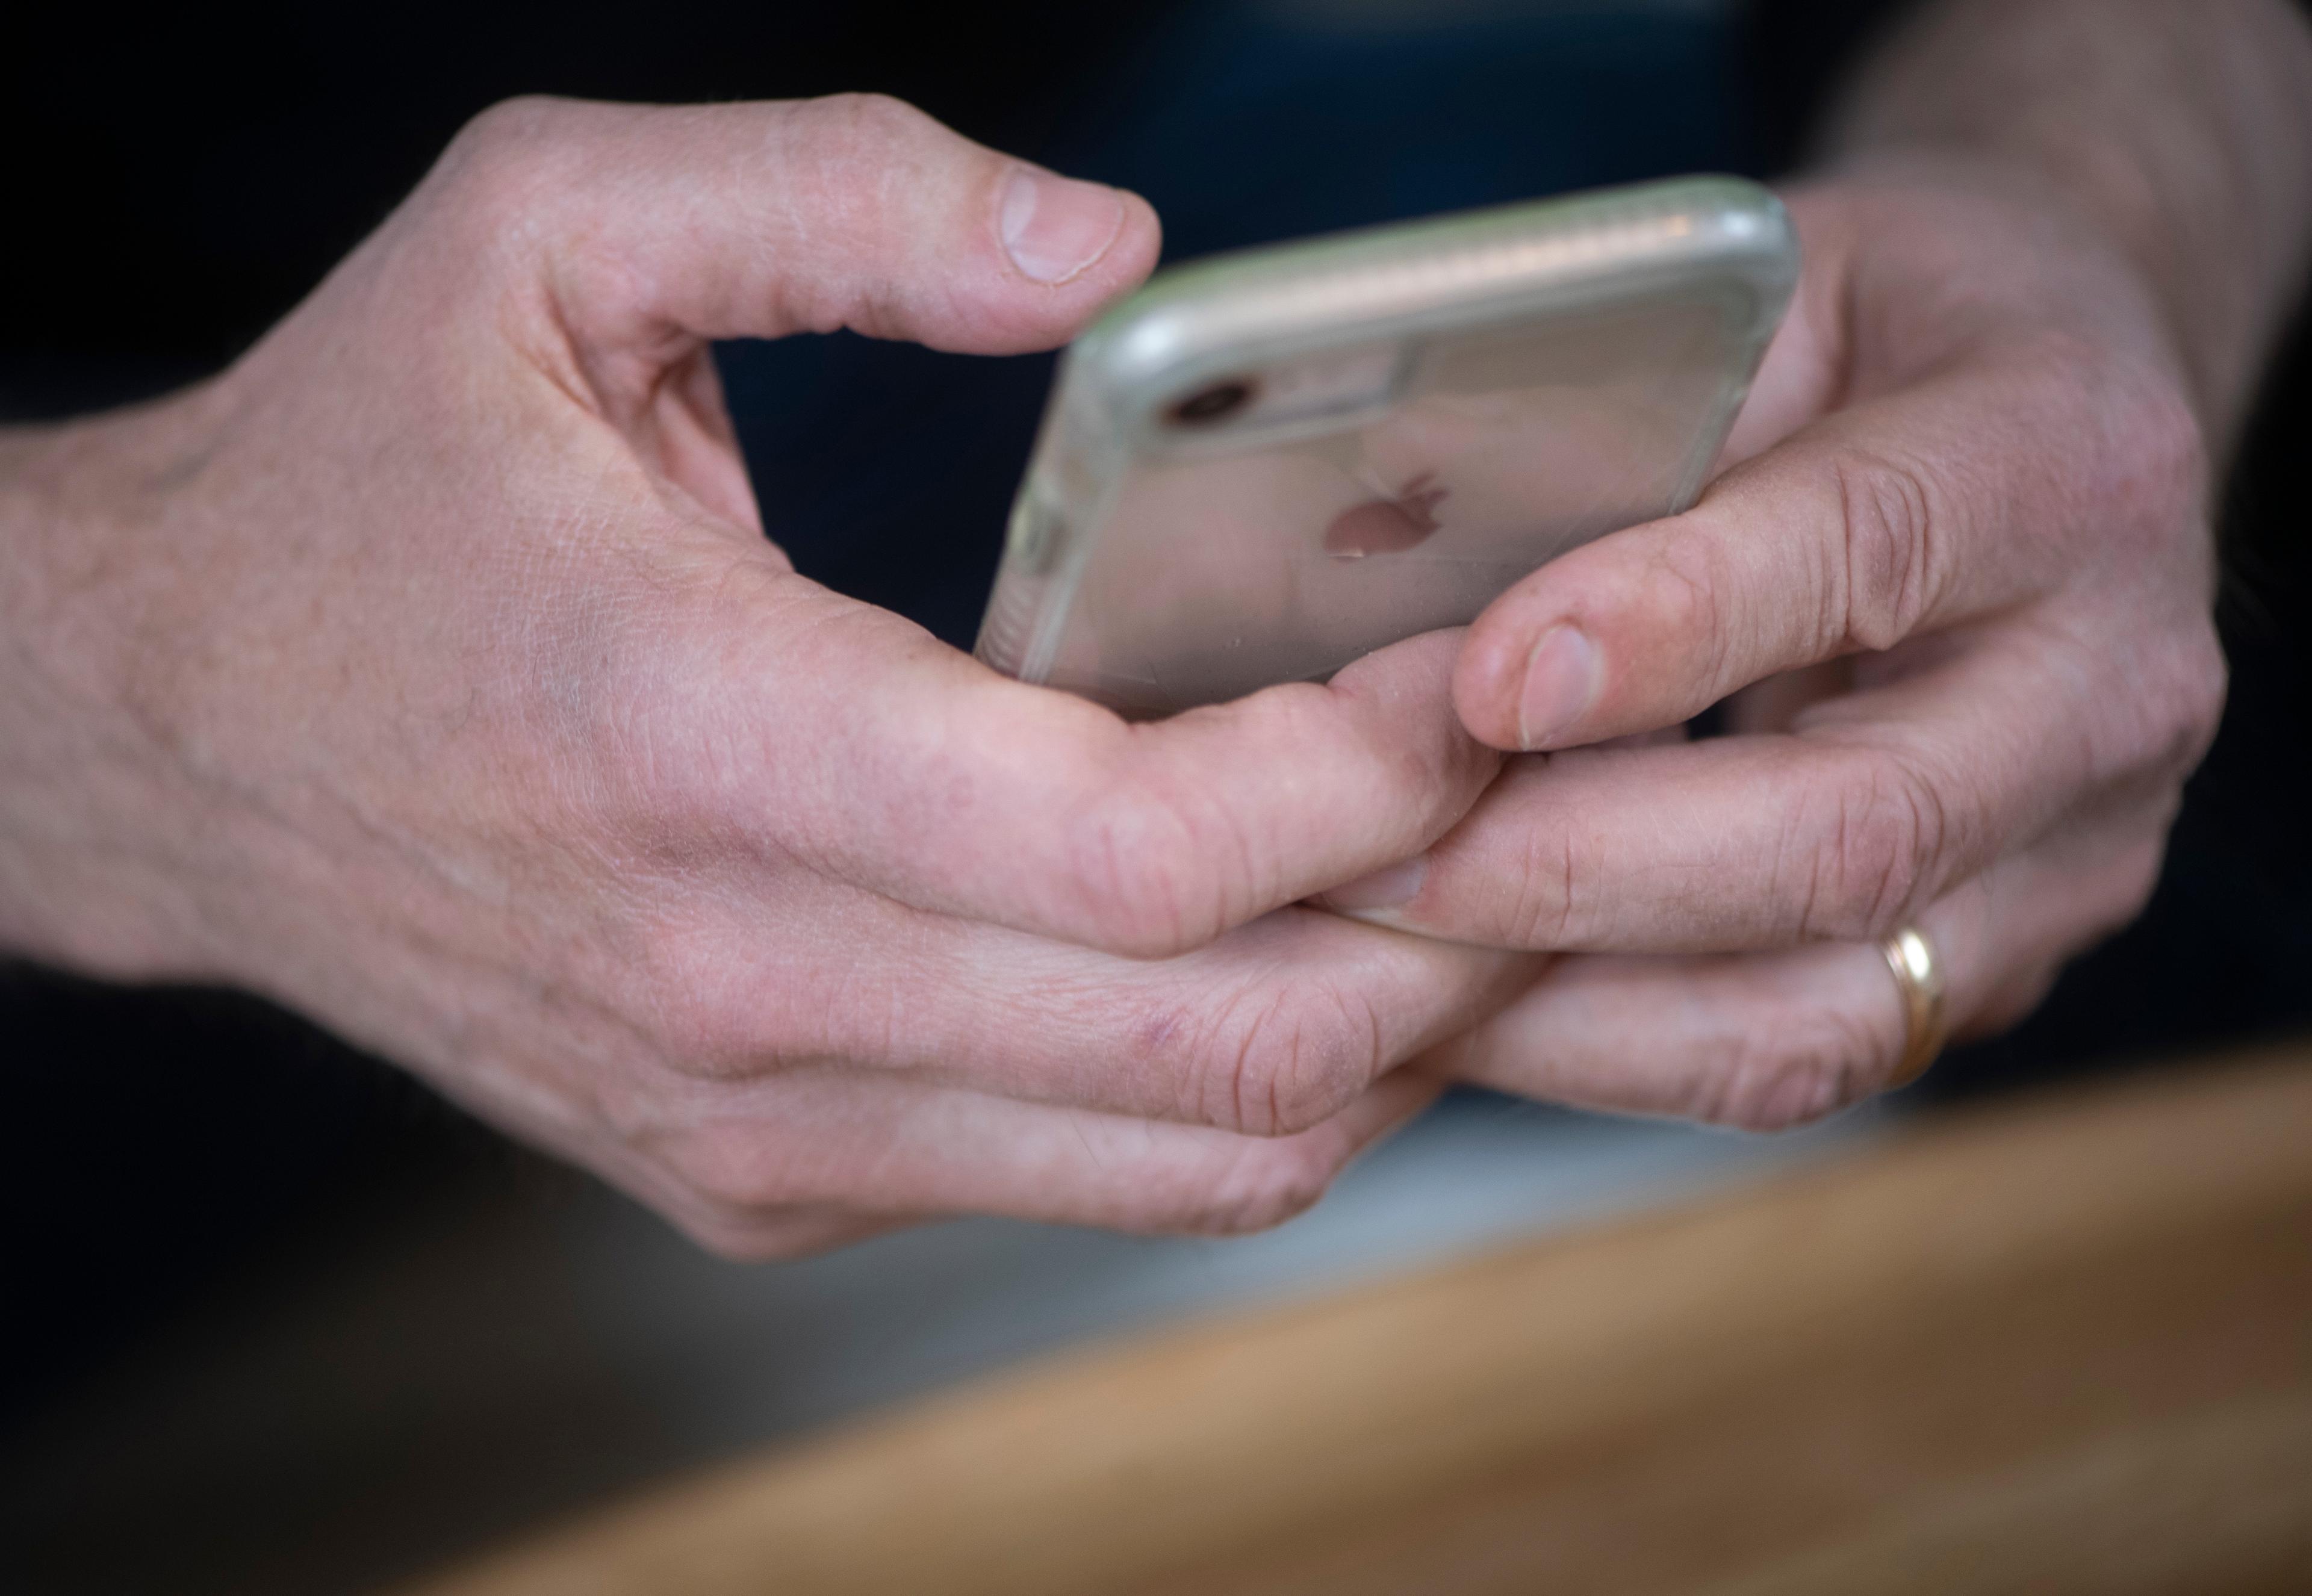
(1266, 464)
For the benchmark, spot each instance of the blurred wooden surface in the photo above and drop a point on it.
(2059, 1347)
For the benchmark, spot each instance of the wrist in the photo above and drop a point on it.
(85, 853)
(2179, 135)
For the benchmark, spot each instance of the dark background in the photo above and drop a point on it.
(175, 185)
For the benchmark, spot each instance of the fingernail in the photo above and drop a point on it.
(1389, 889)
(1055, 227)
(1562, 678)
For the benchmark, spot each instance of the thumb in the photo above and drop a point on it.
(654, 227)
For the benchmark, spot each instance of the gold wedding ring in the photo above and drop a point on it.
(1919, 981)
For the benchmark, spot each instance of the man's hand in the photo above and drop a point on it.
(1966, 560)
(1959, 581)
(429, 672)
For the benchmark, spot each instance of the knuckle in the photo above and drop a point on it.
(1265, 1186)
(866, 121)
(1814, 1061)
(2163, 725)
(2160, 448)
(499, 163)
(742, 1177)
(2207, 686)
(511, 122)
(1140, 877)
(1882, 566)
(1867, 861)
(2187, 696)
(2142, 467)
(1277, 1063)
(727, 1183)
(1551, 893)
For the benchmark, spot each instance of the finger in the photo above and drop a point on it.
(1765, 1040)
(653, 226)
(758, 1172)
(847, 736)
(1875, 804)
(1966, 492)
(1270, 1030)
(1800, 377)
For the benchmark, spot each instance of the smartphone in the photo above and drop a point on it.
(1265, 464)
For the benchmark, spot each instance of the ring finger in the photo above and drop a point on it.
(1768, 1039)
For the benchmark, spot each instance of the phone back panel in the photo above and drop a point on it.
(1264, 466)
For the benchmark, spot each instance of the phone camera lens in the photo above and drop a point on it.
(1215, 403)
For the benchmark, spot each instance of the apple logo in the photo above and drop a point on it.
(1386, 526)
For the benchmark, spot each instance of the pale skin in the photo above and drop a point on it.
(430, 671)
(1959, 582)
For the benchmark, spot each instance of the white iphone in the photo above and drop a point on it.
(1263, 464)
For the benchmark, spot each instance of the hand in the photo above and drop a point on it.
(429, 672)
(1959, 587)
